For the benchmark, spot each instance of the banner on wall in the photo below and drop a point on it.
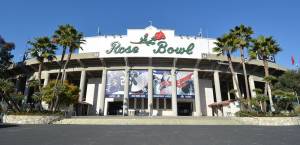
(185, 85)
(114, 87)
(138, 84)
(162, 84)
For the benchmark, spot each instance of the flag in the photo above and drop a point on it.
(293, 60)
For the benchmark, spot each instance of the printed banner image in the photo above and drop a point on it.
(185, 84)
(162, 84)
(138, 83)
(114, 87)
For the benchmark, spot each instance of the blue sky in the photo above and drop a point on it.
(22, 20)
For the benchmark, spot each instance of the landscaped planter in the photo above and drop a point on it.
(30, 119)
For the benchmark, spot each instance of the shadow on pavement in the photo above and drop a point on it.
(7, 125)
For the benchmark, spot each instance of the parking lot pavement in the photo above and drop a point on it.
(147, 135)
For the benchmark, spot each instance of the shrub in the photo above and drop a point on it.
(297, 109)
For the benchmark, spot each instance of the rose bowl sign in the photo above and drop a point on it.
(148, 42)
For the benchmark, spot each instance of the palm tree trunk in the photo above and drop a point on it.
(234, 78)
(245, 78)
(267, 84)
(40, 75)
(65, 66)
(61, 64)
(57, 78)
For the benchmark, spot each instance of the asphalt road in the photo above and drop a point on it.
(148, 135)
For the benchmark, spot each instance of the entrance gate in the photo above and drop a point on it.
(184, 108)
(115, 108)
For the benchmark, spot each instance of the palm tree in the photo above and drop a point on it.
(225, 46)
(42, 48)
(78, 40)
(67, 37)
(265, 47)
(242, 38)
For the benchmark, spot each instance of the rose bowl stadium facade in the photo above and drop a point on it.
(152, 72)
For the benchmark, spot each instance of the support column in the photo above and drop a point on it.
(126, 91)
(197, 94)
(252, 86)
(174, 92)
(235, 85)
(26, 92)
(102, 94)
(66, 76)
(228, 91)
(18, 83)
(82, 85)
(150, 91)
(217, 86)
(217, 91)
(46, 79)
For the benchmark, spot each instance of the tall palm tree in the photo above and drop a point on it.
(265, 47)
(67, 37)
(225, 46)
(77, 41)
(42, 48)
(242, 37)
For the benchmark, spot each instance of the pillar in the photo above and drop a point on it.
(45, 106)
(150, 91)
(126, 90)
(252, 86)
(197, 94)
(174, 92)
(82, 85)
(26, 92)
(102, 94)
(217, 91)
(217, 86)
(65, 76)
(18, 84)
(46, 79)
(235, 85)
(228, 90)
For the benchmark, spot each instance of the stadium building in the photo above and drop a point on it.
(152, 72)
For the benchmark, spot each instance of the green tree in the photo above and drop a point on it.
(42, 48)
(225, 45)
(289, 82)
(67, 37)
(265, 47)
(284, 99)
(5, 57)
(6, 89)
(68, 93)
(242, 38)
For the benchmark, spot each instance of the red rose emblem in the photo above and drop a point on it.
(159, 35)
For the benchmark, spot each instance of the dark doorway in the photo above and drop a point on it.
(184, 108)
(115, 108)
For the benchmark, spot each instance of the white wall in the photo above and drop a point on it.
(206, 96)
(93, 94)
(102, 43)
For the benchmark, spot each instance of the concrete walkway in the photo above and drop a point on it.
(92, 120)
